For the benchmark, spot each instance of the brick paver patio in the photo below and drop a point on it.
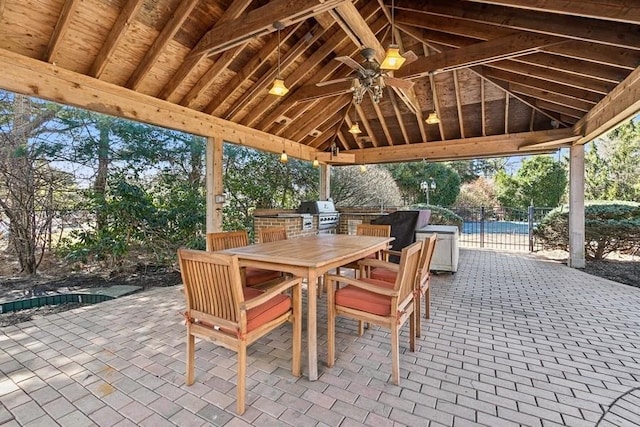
(513, 340)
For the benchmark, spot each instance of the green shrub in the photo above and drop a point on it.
(610, 226)
(442, 216)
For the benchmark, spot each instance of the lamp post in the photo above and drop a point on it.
(427, 186)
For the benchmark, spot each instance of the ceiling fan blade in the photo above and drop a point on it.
(348, 61)
(330, 82)
(399, 83)
(410, 57)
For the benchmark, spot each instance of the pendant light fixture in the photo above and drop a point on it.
(278, 88)
(393, 60)
(283, 157)
(433, 118)
(316, 163)
(355, 127)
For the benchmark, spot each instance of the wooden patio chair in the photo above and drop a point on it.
(272, 234)
(423, 279)
(374, 230)
(235, 239)
(388, 305)
(221, 310)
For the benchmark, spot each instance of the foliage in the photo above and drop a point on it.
(255, 179)
(375, 187)
(471, 170)
(611, 165)
(442, 216)
(408, 176)
(609, 227)
(540, 181)
(480, 192)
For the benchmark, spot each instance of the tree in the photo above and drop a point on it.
(375, 187)
(408, 176)
(611, 165)
(540, 181)
(480, 192)
(29, 185)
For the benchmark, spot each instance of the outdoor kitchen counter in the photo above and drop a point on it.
(296, 224)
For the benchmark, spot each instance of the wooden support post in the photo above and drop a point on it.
(325, 185)
(214, 185)
(576, 207)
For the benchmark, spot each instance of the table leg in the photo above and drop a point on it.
(312, 327)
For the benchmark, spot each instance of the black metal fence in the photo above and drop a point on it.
(500, 227)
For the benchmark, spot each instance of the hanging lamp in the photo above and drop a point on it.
(316, 163)
(433, 118)
(392, 59)
(278, 88)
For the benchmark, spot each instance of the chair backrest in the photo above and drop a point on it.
(272, 234)
(212, 287)
(425, 260)
(227, 240)
(375, 230)
(408, 269)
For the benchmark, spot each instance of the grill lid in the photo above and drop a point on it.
(317, 207)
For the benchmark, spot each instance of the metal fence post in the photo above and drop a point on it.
(482, 227)
(531, 210)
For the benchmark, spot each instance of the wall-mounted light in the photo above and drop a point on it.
(316, 163)
(278, 88)
(363, 168)
(283, 157)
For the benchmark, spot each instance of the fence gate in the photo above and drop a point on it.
(500, 227)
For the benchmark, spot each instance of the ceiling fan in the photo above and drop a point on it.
(369, 77)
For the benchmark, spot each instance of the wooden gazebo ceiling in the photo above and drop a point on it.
(505, 76)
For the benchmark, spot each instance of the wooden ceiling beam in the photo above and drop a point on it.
(327, 132)
(622, 11)
(59, 31)
(182, 12)
(260, 87)
(587, 29)
(485, 146)
(622, 103)
(235, 9)
(342, 139)
(452, 26)
(560, 109)
(312, 92)
(383, 123)
(260, 22)
(317, 117)
(367, 126)
(118, 31)
(456, 86)
(31, 77)
(477, 54)
(538, 83)
(578, 67)
(597, 53)
(396, 110)
(596, 87)
(349, 123)
(545, 95)
(436, 104)
(367, 37)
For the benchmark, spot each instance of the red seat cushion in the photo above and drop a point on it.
(256, 276)
(384, 274)
(275, 307)
(360, 299)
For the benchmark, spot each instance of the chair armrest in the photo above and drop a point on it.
(273, 291)
(373, 263)
(391, 252)
(364, 285)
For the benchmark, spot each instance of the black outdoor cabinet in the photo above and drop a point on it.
(404, 225)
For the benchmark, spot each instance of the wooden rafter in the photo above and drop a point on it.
(37, 78)
(567, 101)
(367, 126)
(118, 31)
(483, 108)
(235, 9)
(316, 117)
(476, 54)
(577, 67)
(628, 12)
(396, 110)
(349, 123)
(436, 105)
(260, 22)
(469, 148)
(587, 29)
(598, 53)
(64, 20)
(506, 113)
(456, 86)
(619, 105)
(267, 78)
(383, 123)
(182, 12)
(560, 109)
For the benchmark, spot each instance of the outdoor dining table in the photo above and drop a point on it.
(310, 257)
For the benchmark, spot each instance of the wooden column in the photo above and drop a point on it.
(325, 185)
(576, 207)
(214, 184)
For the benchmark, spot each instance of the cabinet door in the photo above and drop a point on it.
(442, 255)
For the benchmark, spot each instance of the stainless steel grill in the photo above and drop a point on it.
(325, 210)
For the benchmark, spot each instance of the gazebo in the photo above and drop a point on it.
(482, 78)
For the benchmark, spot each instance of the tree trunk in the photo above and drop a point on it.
(100, 183)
